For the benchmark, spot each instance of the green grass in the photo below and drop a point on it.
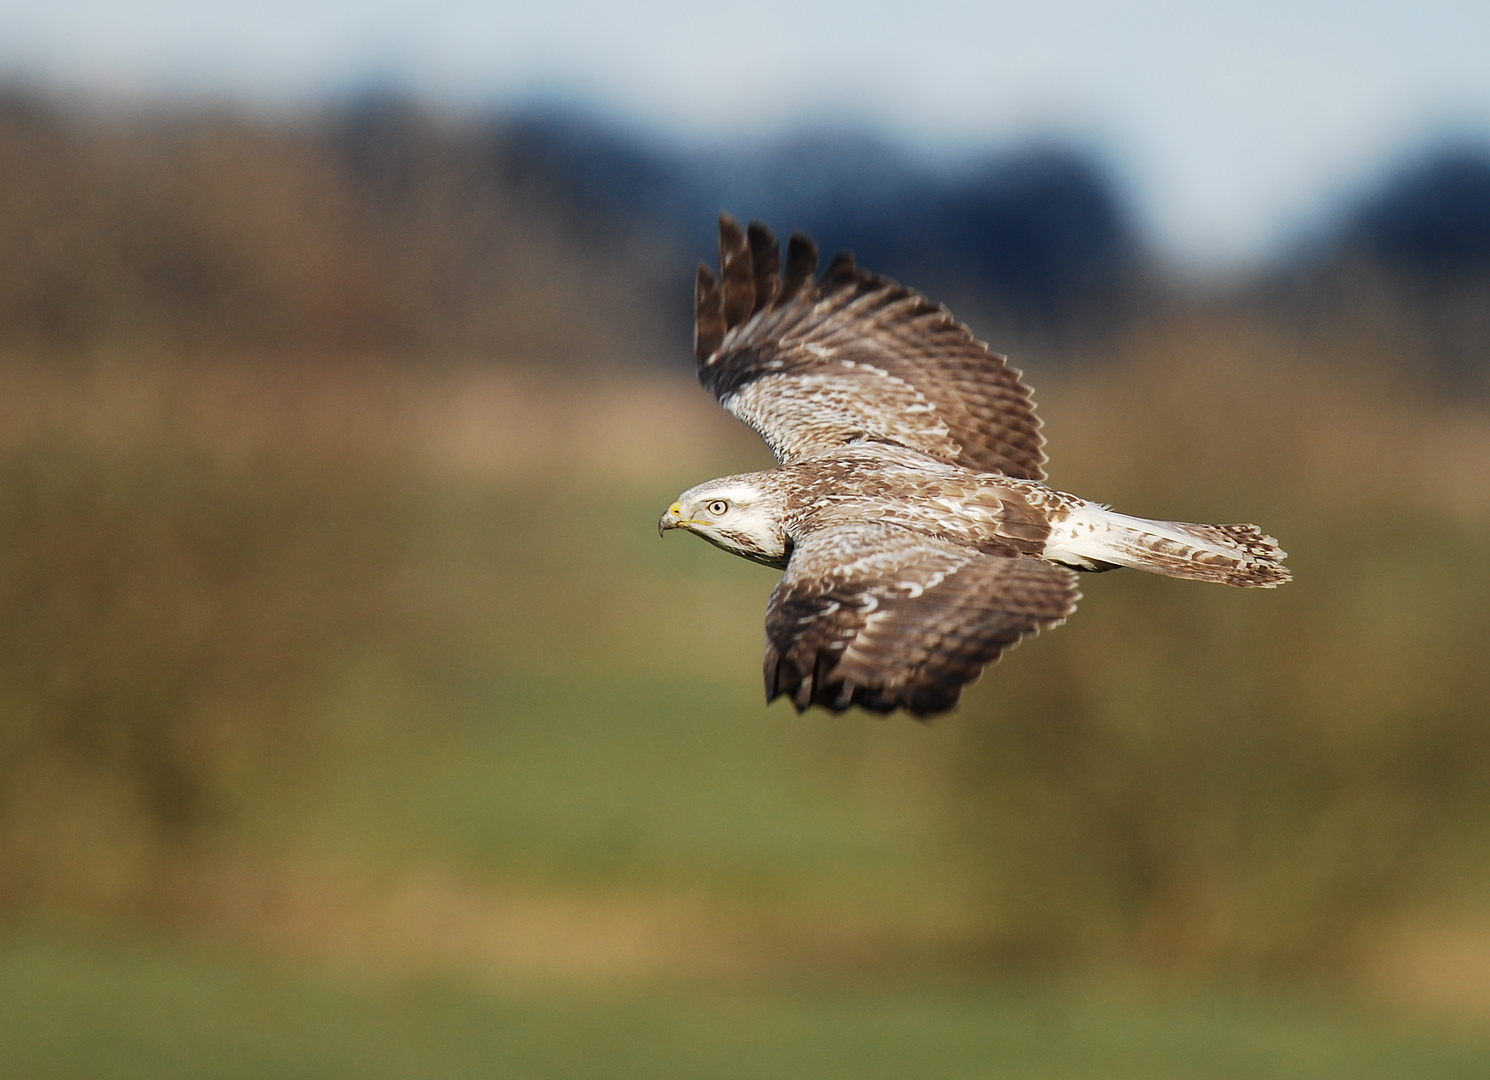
(551, 706)
(589, 791)
(598, 720)
(103, 1010)
(583, 710)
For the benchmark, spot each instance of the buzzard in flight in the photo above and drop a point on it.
(908, 509)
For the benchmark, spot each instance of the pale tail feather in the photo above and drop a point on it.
(1095, 538)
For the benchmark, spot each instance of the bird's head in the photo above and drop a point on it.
(741, 514)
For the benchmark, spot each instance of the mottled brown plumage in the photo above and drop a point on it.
(908, 511)
(880, 616)
(898, 367)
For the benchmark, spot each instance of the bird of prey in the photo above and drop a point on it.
(908, 511)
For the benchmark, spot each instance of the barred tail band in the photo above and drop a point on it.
(1094, 538)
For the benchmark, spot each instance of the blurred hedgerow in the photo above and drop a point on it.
(165, 617)
(1203, 781)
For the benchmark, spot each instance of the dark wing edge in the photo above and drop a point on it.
(885, 618)
(896, 366)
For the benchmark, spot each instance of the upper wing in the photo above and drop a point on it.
(879, 616)
(813, 364)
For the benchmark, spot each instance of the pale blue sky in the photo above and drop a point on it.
(1232, 123)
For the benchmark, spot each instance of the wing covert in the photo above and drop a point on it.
(884, 617)
(813, 364)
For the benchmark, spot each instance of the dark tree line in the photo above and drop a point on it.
(546, 236)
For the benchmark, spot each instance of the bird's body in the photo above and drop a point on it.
(892, 485)
(909, 509)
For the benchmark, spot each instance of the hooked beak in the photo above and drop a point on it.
(673, 519)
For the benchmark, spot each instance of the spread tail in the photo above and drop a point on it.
(1094, 538)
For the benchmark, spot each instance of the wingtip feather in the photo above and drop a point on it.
(708, 314)
(842, 266)
(765, 259)
(736, 271)
(801, 266)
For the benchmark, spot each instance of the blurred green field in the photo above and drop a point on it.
(637, 750)
(104, 1009)
(356, 721)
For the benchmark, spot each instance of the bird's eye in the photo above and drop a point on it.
(718, 507)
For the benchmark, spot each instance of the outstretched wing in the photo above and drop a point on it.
(883, 617)
(812, 364)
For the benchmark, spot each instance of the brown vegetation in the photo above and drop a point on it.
(219, 233)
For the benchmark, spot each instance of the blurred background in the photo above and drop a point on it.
(354, 722)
